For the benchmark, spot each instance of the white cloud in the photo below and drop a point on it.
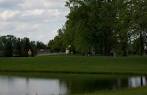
(41, 18)
(45, 13)
(33, 12)
(8, 14)
(33, 4)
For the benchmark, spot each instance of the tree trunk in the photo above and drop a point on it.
(141, 44)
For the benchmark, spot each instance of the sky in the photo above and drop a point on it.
(38, 20)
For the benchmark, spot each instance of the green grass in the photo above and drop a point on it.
(76, 64)
(136, 91)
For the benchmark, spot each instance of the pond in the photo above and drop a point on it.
(12, 85)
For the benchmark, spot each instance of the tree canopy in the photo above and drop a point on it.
(12, 46)
(105, 27)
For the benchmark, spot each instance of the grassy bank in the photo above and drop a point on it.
(136, 91)
(76, 64)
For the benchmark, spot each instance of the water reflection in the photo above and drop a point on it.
(36, 86)
(29, 86)
(137, 82)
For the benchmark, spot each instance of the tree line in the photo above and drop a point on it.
(13, 46)
(104, 27)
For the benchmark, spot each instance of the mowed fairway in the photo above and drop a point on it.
(76, 64)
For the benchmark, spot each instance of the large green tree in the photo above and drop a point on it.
(105, 27)
(12, 46)
(57, 44)
(139, 19)
(89, 27)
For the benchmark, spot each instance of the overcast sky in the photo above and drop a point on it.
(36, 19)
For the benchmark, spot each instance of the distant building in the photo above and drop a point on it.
(43, 52)
(30, 52)
(67, 51)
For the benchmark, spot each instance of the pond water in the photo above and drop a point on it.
(10, 85)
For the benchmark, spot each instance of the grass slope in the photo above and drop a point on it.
(76, 64)
(136, 91)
